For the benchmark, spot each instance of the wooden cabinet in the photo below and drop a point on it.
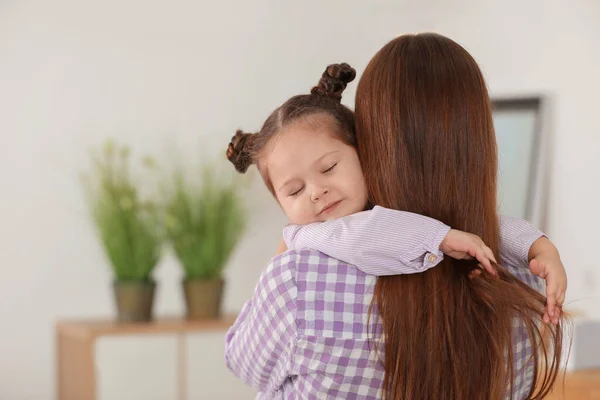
(168, 359)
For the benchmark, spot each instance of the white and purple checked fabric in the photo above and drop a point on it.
(303, 334)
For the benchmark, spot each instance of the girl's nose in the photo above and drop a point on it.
(318, 193)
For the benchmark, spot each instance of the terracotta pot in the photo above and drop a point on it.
(134, 300)
(203, 298)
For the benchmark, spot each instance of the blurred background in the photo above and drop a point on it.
(174, 80)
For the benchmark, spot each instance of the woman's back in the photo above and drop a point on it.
(332, 356)
(322, 306)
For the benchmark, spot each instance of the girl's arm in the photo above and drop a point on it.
(383, 242)
(379, 241)
(516, 238)
(390, 242)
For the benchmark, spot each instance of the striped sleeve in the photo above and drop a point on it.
(516, 238)
(389, 242)
(379, 241)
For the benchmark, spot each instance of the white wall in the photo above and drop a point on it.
(185, 75)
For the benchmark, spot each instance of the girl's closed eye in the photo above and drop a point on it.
(330, 168)
(297, 192)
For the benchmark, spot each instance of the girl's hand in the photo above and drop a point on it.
(545, 262)
(462, 245)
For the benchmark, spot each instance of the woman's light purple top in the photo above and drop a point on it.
(303, 334)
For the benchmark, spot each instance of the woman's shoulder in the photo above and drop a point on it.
(305, 260)
(308, 265)
(295, 259)
(332, 298)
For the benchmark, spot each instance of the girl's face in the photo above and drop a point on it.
(315, 176)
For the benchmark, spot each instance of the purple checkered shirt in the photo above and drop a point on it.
(303, 334)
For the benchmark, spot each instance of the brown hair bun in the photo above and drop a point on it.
(334, 80)
(238, 151)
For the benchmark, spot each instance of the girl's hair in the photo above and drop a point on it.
(426, 142)
(246, 148)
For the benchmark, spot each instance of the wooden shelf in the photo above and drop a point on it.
(95, 327)
(75, 341)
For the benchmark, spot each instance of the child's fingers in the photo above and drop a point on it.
(537, 268)
(560, 298)
(546, 318)
(484, 260)
(550, 301)
(474, 273)
(488, 252)
(479, 254)
(556, 317)
(484, 254)
(490, 255)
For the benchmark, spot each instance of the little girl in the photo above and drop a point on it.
(306, 155)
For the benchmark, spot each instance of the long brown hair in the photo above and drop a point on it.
(426, 142)
(245, 149)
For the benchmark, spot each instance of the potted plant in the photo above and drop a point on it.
(129, 230)
(204, 223)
